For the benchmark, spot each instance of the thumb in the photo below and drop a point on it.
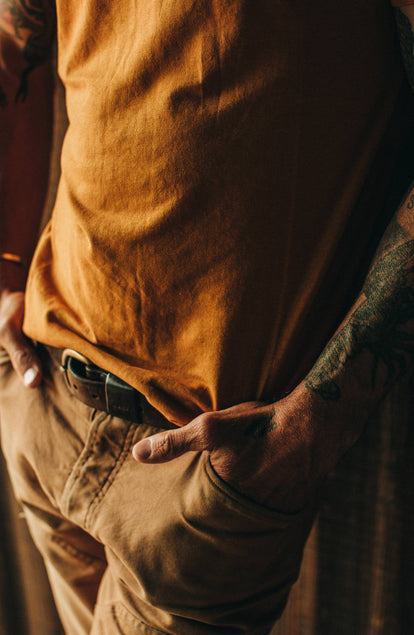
(165, 446)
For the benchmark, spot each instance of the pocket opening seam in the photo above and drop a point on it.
(247, 505)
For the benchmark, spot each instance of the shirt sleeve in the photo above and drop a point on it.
(401, 3)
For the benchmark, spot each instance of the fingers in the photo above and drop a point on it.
(22, 355)
(26, 364)
(209, 431)
(165, 446)
(23, 358)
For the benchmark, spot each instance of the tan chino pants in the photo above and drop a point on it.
(132, 548)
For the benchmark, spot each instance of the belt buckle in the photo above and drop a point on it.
(118, 398)
(68, 353)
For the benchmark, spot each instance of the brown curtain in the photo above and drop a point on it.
(357, 576)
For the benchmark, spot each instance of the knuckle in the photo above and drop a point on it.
(207, 428)
(206, 420)
(21, 356)
(8, 331)
(166, 445)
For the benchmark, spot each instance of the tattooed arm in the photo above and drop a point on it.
(288, 446)
(382, 321)
(278, 453)
(26, 35)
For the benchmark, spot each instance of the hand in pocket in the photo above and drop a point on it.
(264, 451)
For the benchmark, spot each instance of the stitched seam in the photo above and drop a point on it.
(111, 474)
(87, 454)
(131, 615)
(71, 483)
(247, 507)
(110, 477)
(73, 551)
(115, 618)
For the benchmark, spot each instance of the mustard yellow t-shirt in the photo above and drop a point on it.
(224, 158)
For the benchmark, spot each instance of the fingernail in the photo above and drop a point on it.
(29, 376)
(142, 451)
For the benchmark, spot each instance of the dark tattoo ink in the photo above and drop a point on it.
(260, 428)
(393, 236)
(406, 37)
(33, 23)
(377, 324)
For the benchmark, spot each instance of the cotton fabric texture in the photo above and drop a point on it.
(224, 163)
(160, 549)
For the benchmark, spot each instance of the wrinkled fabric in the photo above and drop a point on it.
(133, 548)
(217, 170)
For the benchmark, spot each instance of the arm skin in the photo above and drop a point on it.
(26, 89)
(277, 454)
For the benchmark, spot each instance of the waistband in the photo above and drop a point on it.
(102, 390)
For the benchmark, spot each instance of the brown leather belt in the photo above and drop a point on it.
(104, 391)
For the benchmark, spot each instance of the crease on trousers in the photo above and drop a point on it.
(135, 548)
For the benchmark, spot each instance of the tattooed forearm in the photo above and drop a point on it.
(31, 25)
(379, 324)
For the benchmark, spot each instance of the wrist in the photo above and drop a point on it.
(329, 428)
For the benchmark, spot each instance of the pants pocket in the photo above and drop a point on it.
(193, 548)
